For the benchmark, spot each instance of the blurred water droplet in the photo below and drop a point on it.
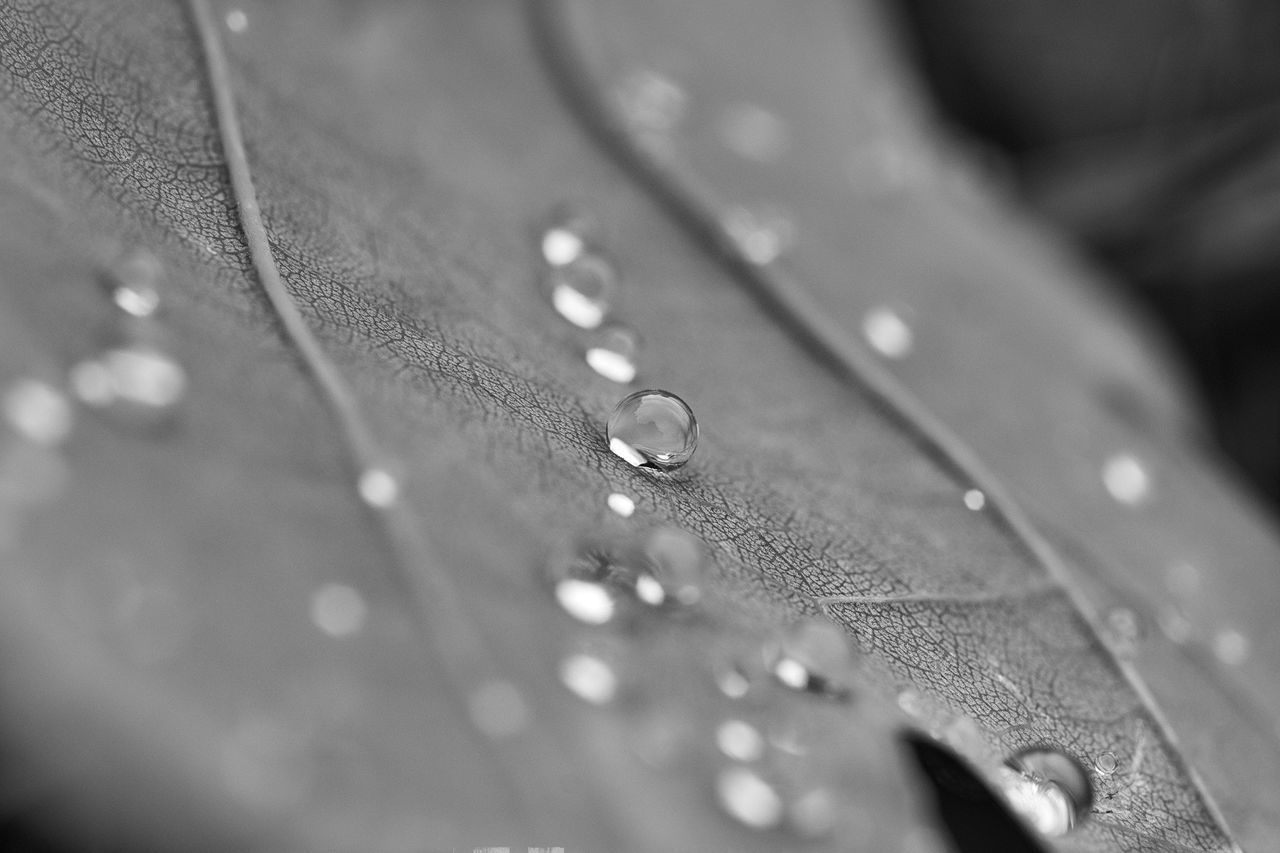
(887, 332)
(378, 487)
(582, 290)
(237, 21)
(651, 101)
(975, 500)
(1124, 630)
(621, 504)
(38, 412)
(813, 814)
(673, 564)
(814, 656)
(739, 740)
(498, 709)
(753, 132)
(1048, 789)
(136, 385)
(1106, 763)
(134, 283)
(1126, 479)
(732, 681)
(569, 234)
(912, 702)
(1231, 647)
(589, 580)
(1183, 580)
(653, 429)
(586, 601)
(762, 236)
(338, 610)
(613, 353)
(748, 798)
(589, 677)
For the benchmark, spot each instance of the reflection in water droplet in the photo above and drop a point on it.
(621, 504)
(568, 235)
(498, 709)
(237, 21)
(1047, 788)
(1231, 647)
(613, 353)
(1106, 763)
(748, 798)
(673, 566)
(814, 656)
(1124, 630)
(813, 814)
(975, 500)
(739, 740)
(378, 488)
(753, 132)
(38, 412)
(134, 282)
(589, 677)
(583, 289)
(887, 332)
(338, 610)
(653, 429)
(138, 385)
(761, 236)
(1126, 479)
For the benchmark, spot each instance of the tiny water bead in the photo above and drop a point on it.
(621, 504)
(762, 236)
(378, 487)
(654, 429)
(1048, 789)
(568, 235)
(739, 740)
(134, 283)
(138, 384)
(237, 21)
(974, 499)
(38, 412)
(749, 799)
(1126, 479)
(651, 102)
(1106, 763)
(613, 353)
(582, 290)
(338, 610)
(814, 813)
(589, 677)
(888, 332)
(813, 656)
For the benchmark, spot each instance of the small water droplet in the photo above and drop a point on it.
(748, 798)
(138, 385)
(569, 234)
(673, 562)
(498, 709)
(586, 601)
(237, 21)
(651, 101)
(38, 412)
(762, 236)
(134, 283)
(378, 487)
(1106, 763)
(813, 814)
(613, 353)
(887, 332)
(1124, 630)
(589, 581)
(739, 740)
(732, 681)
(1126, 479)
(814, 656)
(1231, 647)
(753, 132)
(583, 289)
(338, 610)
(1048, 789)
(621, 504)
(653, 429)
(589, 677)
(975, 499)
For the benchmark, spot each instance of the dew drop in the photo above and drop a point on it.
(654, 429)
(134, 283)
(338, 610)
(589, 677)
(673, 562)
(1231, 647)
(1183, 580)
(589, 581)
(1106, 763)
(739, 740)
(888, 333)
(1124, 630)
(621, 504)
(586, 601)
(38, 412)
(498, 709)
(237, 21)
(1048, 789)
(761, 236)
(814, 656)
(613, 353)
(1126, 479)
(567, 237)
(748, 798)
(138, 385)
(378, 487)
(582, 290)
(975, 500)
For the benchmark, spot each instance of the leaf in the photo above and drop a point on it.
(404, 158)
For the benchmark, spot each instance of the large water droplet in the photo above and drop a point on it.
(653, 429)
(38, 412)
(671, 567)
(134, 283)
(568, 235)
(1106, 763)
(613, 353)
(814, 656)
(622, 505)
(138, 385)
(590, 677)
(1048, 789)
(237, 21)
(748, 798)
(583, 289)
(1231, 647)
(974, 499)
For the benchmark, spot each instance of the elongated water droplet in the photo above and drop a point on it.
(589, 677)
(613, 353)
(137, 385)
(814, 656)
(38, 412)
(1231, 647)
(621, 504)
(672, 567)
(887, 332)
(653, 429)
(1048, 789)
(568, 236)
(134, 283)
(748, 798)
(1124, 630)
(739, 740)
(582, 290)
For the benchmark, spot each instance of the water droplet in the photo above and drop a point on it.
(589, 677)
(813, 814)
(589, 581)
(568, 236)
(739, 740)
(38, 412)
(753, 132)
(1124, 630)
(975, 499)
(1048, 789)
(237, 21)
(136, 384)
(498, 709)
(621, 504)
(1106, 763)
(814, 656)
(1231, 647)
(613, 353)
(338, 610)
(378, 487)
(673, 562)
(653, 429)
(134, 283)
(732, 681)
(582, 290)
(1126, 479)
(651, 101)
(748, 798)
(887, 332)
(761, 236)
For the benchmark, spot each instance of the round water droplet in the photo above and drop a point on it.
(653, 429)
(38, 412)
(237, 21)
(498, 709)
(134, 283)
(814, 656)
(1126, 479)
(582, 290)
(137, 385)
(568, 236)
(975, 499)
(732, 681)
(338, 610)
(671, 567)
(621, 504)
(589, 677)
(589, 581)
(1048, 789)
(1124, 630)
(613, 353)
(1231, 647)
(378, 487)
(888, 333)
(761, 236)
(739, 740)
(1106, 763)
(748, 798)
